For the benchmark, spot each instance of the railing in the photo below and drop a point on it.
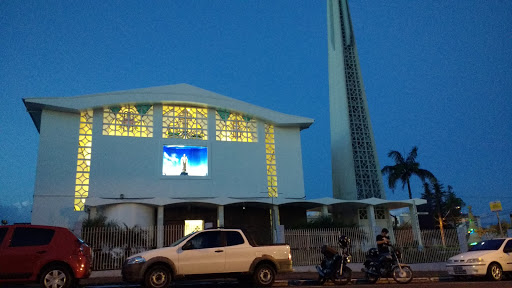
(112, 245)
(305, 244)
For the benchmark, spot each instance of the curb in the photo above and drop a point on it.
(285, 283)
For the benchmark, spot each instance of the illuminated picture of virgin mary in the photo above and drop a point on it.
(185, 160)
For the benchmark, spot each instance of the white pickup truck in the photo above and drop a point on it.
(211, 253)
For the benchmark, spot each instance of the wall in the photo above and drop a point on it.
(56, 170)
(133, 166)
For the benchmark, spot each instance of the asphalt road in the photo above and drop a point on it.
(234, 284)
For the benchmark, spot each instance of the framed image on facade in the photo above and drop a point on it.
(182, 160)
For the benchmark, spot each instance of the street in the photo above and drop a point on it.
(234, 284)
(299, 283)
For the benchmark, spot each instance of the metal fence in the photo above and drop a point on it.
(112, 245)
(305, 244)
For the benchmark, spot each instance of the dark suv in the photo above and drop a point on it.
(52, 256)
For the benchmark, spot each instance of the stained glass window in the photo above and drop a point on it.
(185, 122)
(83, 166)
(235, 127)
(128, 120)
(270, 148)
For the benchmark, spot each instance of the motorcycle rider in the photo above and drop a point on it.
(382, 244)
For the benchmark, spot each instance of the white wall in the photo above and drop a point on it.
(133, 166)
(54, 188)
(131, 214)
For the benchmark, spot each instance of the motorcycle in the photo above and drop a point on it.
(386, 265)
(334, 265)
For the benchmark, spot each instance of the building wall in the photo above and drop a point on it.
(133, 166)
(56, 170)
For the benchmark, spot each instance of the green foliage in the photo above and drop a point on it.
(442, 204)
(99, 221)
(322, 222)
(404, 169)
(495, 229)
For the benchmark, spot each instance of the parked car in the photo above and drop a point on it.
(489, 258)
(52, 256)
(211, 253)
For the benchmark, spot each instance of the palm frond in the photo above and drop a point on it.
(411, 157)
(396, 156)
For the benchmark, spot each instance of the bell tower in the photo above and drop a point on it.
(355, 167)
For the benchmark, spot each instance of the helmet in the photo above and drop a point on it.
(373, 252)
(344, 241)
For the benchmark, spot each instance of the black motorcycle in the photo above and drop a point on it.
(386, 265)
(334, 265)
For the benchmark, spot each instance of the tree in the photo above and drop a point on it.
(451, 202)
(404, 169)
(443, 204)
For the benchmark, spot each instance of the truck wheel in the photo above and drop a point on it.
(157, 277)
(494, 272)
(264, 275)
(56, 277)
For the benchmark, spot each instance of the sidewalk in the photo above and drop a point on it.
(423, 272)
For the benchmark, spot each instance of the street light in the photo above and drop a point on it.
(441, 223)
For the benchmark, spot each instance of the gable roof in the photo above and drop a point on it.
(183, 94)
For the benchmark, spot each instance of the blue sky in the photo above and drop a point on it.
(437, 75)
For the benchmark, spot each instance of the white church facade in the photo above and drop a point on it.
(177, 154)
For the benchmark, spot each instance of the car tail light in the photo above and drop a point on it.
(82, 248)
(290, 256)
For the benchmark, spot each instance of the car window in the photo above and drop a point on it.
(508, 246)
(204, 240)
(3, 231)
(234, 238)
(24, 236)
(494, 244)
(182, 239)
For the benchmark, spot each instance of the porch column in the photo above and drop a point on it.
(93, 212)
(275, 224)
(160, 227)
(373, 224)
(415, 224)
(220, 216)
(391, 227)
(325, 211)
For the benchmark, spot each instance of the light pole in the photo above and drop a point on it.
(441, 220)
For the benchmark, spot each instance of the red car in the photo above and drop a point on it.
(52, 256)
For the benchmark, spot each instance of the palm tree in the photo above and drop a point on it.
(404, 168)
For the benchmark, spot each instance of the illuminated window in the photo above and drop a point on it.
(185, 122)
(128, 120)
(235, 127)
(270, 148)
(83, 166)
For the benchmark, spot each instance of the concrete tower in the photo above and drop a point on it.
(355, 168)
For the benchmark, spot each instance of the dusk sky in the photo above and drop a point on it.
(437, 74)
